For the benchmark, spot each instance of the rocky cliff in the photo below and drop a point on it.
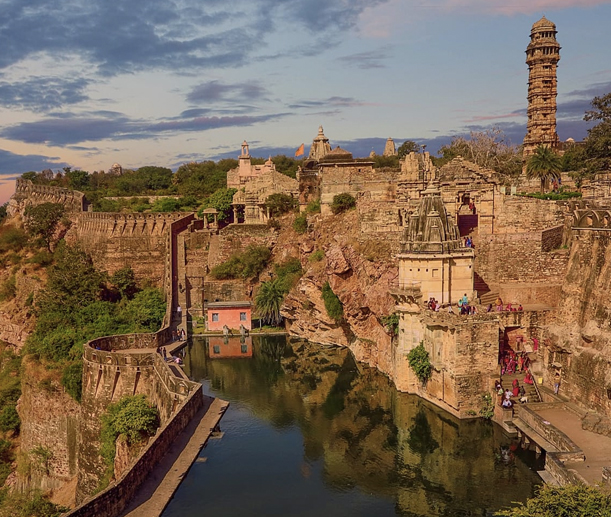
(360, 270)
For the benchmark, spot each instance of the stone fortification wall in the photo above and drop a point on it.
(518, 214)
(116, 366)
(49, 419)
(112, 501)
(116, 240)
(27, 193)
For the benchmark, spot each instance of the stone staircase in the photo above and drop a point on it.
(531, 391)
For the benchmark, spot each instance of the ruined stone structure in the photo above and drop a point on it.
(27, 193)
(246, 171)
(433, 256)
(542, 56)
(320, 146)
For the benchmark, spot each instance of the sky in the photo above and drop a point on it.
(90, 83)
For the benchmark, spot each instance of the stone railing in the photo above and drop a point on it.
(594, 219)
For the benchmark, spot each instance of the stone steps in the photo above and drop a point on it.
(531, 391)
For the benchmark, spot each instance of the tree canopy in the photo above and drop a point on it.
(598, 142)
(41, 220)
(543, 165)
(409, 146)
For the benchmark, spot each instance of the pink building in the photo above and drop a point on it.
(229, 348)
(232, 314)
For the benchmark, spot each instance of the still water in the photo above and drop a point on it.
(309, 432)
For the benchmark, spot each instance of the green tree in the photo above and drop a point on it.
(221, 200)
(598, 142)
(280, 203)
(409, 146)
(269, 299)
(124, 281)
(77, 180)
(286, 165)
(565, 501)
(41, 220)
(3, 211)
(543, 165)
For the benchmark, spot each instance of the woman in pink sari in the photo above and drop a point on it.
(528, 378)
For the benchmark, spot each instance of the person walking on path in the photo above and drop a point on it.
(179, 312)
(165, 354)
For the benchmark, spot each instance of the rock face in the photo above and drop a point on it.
(362, 286)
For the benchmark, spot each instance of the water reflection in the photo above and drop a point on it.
(313, 433)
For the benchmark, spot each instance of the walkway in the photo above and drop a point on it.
(155, 494)
(596, 447)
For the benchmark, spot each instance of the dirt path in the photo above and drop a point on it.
(596, 447)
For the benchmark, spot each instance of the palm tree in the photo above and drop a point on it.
(269, 299)
(545, 164)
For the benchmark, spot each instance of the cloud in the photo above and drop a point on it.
(511, 8)
(367, 60)
(330, 102)
(11, 163)
(217, 91)
(62, 131)
(42, 93)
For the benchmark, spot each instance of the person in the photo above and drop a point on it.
(508, 307)
(516, 388)
(165, 353)
(450, 311)
(520, 308)
(507, 394)
(183, 334)
(489, 308)
(556, 383)
(437, 306)
(499, 304)
(507, 404)
(520, 363)
(178, 360)
(179, 312)
(473, 309)
(528, 378)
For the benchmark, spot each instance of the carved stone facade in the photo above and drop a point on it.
(542, 56)
(389, 148)
(246, 171)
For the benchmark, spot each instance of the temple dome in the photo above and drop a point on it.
(544, 23)
(337, 155)
(430, 230)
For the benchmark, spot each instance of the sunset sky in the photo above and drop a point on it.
(89, 83)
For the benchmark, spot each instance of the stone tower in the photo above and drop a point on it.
(389, 148)
(320, 146)
(542, 56)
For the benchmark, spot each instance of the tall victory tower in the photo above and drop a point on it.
(542, 56)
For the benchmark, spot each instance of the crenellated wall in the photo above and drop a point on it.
(27, 193)
(117, 240)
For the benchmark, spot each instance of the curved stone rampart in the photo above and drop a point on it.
(27, 193)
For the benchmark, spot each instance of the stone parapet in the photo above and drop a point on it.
(27, 193)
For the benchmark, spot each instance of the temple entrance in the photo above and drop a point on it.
(467, 218)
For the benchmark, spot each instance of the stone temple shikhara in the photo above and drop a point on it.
(542, 56)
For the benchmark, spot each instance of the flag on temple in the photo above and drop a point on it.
(299, 152)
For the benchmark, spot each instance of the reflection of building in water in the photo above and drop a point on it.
(225, 347)
(231, 314)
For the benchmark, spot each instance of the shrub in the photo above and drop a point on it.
(167, 204)
(250, 263)
(333, 305)
(487, 409)
(288, 273)
(280, 203)
(72, 379)
(8, 288)
(313, 207)
(300, 224)
(391, 323)
(274, 224)
(420, 363)
(342, 202)
(41, 259)
(133, 418)
(9, 419)
(553, 196)
(12, 239)
(568, 500)
(317, 256)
